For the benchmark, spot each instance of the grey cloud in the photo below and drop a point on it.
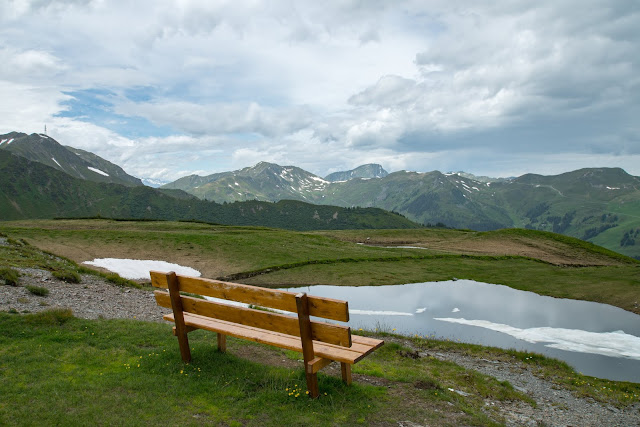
(219, 119)
(388, 91)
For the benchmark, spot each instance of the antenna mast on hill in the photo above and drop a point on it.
(45, 129)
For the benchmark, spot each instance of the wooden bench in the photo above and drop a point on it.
(319, 342)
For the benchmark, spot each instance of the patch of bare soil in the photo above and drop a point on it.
(182, 256)
(550, 251)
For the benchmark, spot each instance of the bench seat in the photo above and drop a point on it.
(361, 346)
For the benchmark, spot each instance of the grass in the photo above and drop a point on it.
(124, 372)
(38, 290)
(294, 258)
(64, 370)
(68, 276)
(18, 253)
(10, 276)
(616, 393)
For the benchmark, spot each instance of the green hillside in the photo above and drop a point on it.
(80, 164)
(601, 205)
(33, 190)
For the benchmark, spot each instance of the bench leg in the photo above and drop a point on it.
(312, 385)
(346, 373)
(183, 342)
(178, 316)
(222, 342)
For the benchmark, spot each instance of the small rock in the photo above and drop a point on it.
(460, 392)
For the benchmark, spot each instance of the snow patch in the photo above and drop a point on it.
(57, 163)
(10, 141)
(613, 188)
(613, 344)
(455, 310)
(139, 268)
(421, 310)
(2, 142)
(379, 313)
(98, 171)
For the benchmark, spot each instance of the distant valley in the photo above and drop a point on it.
(601, 205)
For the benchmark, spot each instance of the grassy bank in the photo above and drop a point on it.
(545, 263)
(614, 285)
(60, 370)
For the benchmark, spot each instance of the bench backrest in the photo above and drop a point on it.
(320, 307)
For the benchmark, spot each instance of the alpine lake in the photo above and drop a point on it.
(595, 339)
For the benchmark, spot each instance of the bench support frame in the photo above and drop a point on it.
(307, 344)
(176, 305)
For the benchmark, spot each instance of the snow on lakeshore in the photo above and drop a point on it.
(139, 268)
(612, 344)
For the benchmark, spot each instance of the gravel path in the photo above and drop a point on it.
(93, 298)
(555, 406)
(96, 298)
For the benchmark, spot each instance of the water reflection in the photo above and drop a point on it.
(596, 339)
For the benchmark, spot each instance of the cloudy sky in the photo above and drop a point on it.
(170, 88)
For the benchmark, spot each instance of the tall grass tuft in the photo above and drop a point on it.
(53, 317)
(68, 276)
(120, 281)
(10, 276)
(38, 290)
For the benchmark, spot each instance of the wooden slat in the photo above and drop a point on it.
(365, 340)
(318, 363)
(326, 332)
(289, 342)
(326, 308)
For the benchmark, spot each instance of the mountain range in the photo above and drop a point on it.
(36, 189)
(601, 205)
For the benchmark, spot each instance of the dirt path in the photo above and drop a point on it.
(95, 298)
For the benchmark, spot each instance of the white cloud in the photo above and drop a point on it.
(491, 89)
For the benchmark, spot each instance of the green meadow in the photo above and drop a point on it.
(60, 370)
(541, 262)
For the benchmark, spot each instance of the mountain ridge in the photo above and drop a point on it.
(601, 205)
(368, 171)
(73, 161)
(33, 190)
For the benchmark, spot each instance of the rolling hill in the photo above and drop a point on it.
(30, 190)
(75, 162)
(601, 205)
